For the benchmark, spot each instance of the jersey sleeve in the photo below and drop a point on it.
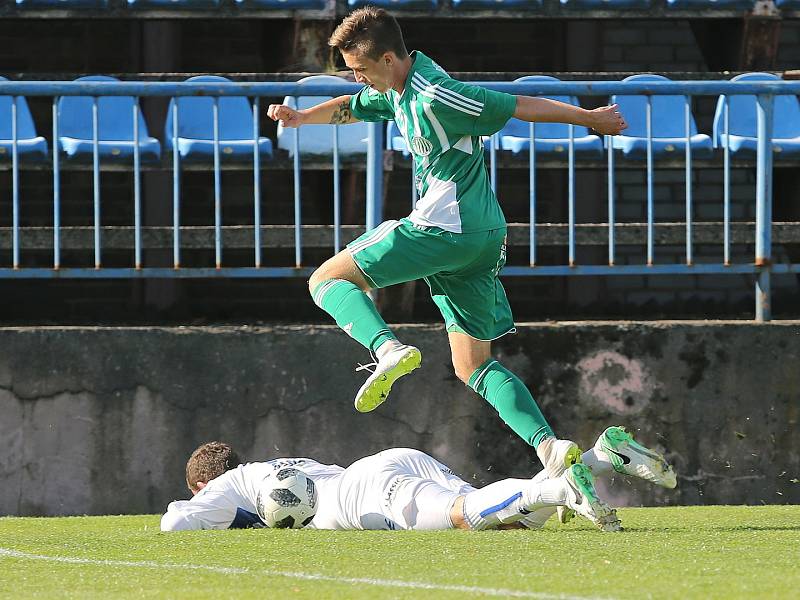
(471, 109)
(370, 105)
(204, 511)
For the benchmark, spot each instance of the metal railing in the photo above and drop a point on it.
(761, 266)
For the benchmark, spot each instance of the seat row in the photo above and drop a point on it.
(668, 126)
(195, 131)
(175, 4)
(412, 4)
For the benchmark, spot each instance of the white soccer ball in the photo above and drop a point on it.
(287, 499)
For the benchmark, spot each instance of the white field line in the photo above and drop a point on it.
(390, 583)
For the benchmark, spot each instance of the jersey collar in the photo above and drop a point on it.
(417, 59)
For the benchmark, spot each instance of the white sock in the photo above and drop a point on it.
(510, 500)
(538, 518)
(494, 504)
(387, 347)
(596, 462)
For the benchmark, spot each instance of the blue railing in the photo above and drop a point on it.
(761, 266)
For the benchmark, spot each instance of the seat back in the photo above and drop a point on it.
(744, 113)
(543, 131)
(318, 139)
(25, 127)
(196, 115)
(667, 112)
(114, 115)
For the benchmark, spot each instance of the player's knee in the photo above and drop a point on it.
(319, 275)
(463, 373)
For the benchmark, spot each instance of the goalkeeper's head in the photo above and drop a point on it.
(210, 460)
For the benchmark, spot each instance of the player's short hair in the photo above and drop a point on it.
(210, 460)
(370, 30)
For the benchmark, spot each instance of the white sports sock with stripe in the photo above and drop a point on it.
(595, 462)
(510, 500)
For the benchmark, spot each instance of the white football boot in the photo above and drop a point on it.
(389, 368)
(583, 499)
(556, 456)
(629, 457)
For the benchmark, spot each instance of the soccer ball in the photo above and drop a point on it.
(287, 499)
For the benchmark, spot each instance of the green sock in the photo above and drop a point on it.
(353, 311)
(512, 400)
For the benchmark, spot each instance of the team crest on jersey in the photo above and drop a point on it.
(421, 146)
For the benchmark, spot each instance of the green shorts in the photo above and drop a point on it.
(460, 270)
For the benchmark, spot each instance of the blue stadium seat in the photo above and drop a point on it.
(711, 4)
(318, 139)
(744, 121)
(29, 145)
(196, 127)
(551, 138)
(176, 4)
(283, 4)
(788, 4)
(668, 129)
(62, 4)
(605, 4)
(498, 4)
(395, 4)
(115, 127)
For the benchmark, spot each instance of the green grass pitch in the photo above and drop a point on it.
(689, 552)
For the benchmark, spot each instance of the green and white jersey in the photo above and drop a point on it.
(442, 121)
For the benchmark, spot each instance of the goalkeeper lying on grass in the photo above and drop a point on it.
(402, 488)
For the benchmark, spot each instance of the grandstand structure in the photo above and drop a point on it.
(693, 212)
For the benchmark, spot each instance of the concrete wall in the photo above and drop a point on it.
(101, 420)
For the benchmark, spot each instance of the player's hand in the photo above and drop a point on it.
(288, 117)
(607, 120)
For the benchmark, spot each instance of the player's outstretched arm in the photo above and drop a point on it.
(334, 112)
(207, 511)
(605, 120)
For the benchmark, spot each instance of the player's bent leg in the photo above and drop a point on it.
(515, 500)
(616, 449)
(499, 387)
(340, 266)
(338, 288)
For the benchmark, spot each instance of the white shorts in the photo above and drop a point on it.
(399, 488)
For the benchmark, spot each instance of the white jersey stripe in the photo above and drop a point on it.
(435, 91)
(456, 106)
(453, 94)
(444, 100)
(374, 240)
(372, 235)
(437, 127)
(420, 90)
(456, 97)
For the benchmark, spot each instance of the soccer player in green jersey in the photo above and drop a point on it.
(454, 239)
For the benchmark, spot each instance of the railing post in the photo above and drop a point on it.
(375, 174)
(764, 207)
